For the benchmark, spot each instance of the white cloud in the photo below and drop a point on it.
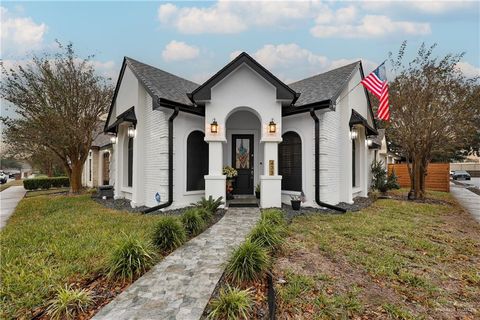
(19, 34)
(469, 70)
(290, 62)
(433, 7)
(177, 50)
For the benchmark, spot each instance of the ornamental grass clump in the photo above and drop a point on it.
(68, 303)
(205, 214)
(267, 235)
(193, 221)
(169, 234)
(247, 263)
(273, 216)
(130, 259)
(232, 303)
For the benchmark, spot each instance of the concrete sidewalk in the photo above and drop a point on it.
(180, 285)
(467, 199)
(9, 198)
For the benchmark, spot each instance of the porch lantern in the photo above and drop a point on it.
(369, 142)
(272, 127)
(131, 131)
(353, 133)
(214, 126)
(113, 139)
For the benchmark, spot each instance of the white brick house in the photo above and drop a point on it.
(166, 142)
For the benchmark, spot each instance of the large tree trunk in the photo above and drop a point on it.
(75, 175)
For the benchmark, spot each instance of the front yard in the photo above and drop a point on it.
(51, 241)
(395, 259)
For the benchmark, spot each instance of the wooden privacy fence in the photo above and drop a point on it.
(438, 176)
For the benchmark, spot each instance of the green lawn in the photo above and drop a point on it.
(50, 241)
(395, 259)
(11, 183)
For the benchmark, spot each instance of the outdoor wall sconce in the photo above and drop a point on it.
(214, 126)
(272, 127)
(131, 132)
(353, 133)
(369, 142)
(113, 139)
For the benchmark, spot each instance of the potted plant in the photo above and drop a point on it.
(295, 201)
(257, 191)
(231, 173)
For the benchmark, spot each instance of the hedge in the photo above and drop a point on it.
(46, 183)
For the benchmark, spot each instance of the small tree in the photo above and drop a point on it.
(59, 100)
(435, 108)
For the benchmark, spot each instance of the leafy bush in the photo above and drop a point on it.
(168, 234)
(232, 303)
(192, 221)
(209, 204)
(267, 235)
(392, 181)
(46, 183)
(273, 216)
(379, 176)
(131, 258)
(68, 302)
(248, 262)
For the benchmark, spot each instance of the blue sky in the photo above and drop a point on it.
(195, 39)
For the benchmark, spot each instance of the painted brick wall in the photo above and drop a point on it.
(329, 157)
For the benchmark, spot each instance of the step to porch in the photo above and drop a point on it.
(243, 201)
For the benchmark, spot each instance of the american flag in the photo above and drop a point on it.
(376, 83)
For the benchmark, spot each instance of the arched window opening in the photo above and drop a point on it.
(197, 161)
(290, 161)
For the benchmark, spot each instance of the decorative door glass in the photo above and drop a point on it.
(242, 158)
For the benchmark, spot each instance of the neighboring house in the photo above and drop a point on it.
(381, 152)
(175, 136)
(96, 171)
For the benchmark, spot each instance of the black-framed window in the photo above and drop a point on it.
(354, 164)
(130, 163)
(197, 161)
(290, 161)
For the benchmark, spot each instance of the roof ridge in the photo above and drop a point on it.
(169, 73)
(323, 73)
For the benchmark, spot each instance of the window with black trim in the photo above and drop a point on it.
(290, 161)
(197, 161)
(130, 163)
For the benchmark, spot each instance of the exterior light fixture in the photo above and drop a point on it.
(353, 133)
(369, 142)
(131, 132)
(113, 139)
(214, 126)
(272, 127)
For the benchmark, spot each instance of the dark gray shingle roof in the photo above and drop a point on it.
(323, 86)
(162, 84)
(378, 139)
(102, 139)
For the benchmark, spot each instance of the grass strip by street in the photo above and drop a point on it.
(394, 259)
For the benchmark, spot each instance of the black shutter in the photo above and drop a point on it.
(290, 161)
(197, 161)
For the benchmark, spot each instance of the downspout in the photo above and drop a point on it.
(317, 166)
(170, 165)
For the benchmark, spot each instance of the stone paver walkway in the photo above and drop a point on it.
(180, 286)
(467, 199)
(9, 198)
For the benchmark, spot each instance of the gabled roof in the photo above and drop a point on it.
(203, 92)
(158, 83)
(324, 86)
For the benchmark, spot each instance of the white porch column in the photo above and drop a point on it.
(270, 181)
(215, 180)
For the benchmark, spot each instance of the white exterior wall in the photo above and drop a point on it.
(244, 89)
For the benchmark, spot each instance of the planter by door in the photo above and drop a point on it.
(242, 161)
(295, 204)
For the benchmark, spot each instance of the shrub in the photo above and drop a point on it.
(68, 302)
(248, 262)
(193, 221)
(379, 176)
(392, 181)
(267, 235)
(131, 258)
(46, 183)
(168, 234)
(232, 303)
(209, 204)
(273, 216)
(204, 214)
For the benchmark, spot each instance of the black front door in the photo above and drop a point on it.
(242, 161)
